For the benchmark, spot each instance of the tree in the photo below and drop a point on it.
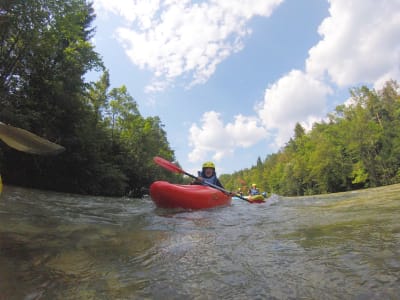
(358, 147)
(45, 52)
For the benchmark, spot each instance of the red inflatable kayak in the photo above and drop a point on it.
(168, 195)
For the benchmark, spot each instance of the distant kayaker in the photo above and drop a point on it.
(208, 174)
(254, 190)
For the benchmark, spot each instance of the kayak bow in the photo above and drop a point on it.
(168, 195)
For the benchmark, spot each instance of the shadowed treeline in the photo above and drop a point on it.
(45, 51)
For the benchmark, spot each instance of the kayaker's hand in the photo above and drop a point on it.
(198, 180)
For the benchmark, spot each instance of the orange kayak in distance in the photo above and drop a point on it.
(256, 198)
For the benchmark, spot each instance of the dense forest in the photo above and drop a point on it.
(357, 146)
(45, 52)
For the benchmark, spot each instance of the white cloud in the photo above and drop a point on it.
(219, 140)
(183, 38)
(245, 131)
(360, 43)
(296, 97)
(141, 12)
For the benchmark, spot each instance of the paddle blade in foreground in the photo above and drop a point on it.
(26, 141)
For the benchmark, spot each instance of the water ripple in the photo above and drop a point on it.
(60, 246)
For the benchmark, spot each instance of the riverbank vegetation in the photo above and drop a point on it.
(45, 53)
(357, 146)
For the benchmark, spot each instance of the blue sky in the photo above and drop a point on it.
(230, 79)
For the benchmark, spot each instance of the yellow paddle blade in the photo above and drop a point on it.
(26, 141)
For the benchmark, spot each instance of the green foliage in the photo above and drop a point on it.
(45, 51)
(359, 147)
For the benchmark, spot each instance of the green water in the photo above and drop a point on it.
(338, 246)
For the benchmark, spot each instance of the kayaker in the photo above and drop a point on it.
(254, 190)
(208, 174)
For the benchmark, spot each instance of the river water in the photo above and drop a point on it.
(338, 246)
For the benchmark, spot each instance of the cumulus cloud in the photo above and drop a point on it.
(360, 43)
(296, 97)
(181, 38)
(215, 138)
(245, 131)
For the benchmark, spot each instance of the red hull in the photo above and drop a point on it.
(167, 195)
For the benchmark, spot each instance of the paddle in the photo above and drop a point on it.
(26, 141)
(174, 168)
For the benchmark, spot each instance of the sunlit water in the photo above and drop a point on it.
(338, 246)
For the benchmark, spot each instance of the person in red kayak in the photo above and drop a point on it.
(208, 174)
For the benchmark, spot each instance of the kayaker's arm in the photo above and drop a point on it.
(199, 180)
(219, 183)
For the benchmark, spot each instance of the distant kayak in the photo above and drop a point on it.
(254, 198)
(168, 195)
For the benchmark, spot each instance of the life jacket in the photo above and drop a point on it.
(212, 179)
(254, 191)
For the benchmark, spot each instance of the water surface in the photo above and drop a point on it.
(338, 246)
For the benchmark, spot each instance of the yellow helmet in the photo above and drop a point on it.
(209, 164)
(254, 185)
